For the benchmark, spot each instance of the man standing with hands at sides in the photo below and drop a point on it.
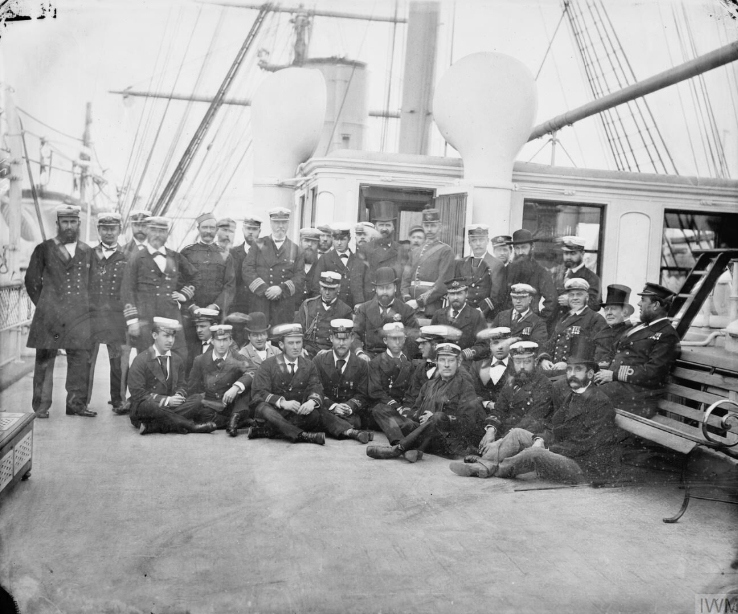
(106, 308)
(484, 274)
(341, 260)
(156, 282)
(430, 269)
(251, 229)
(385, 308)
(345, 386)
(315, 314)
(57, 281)
(287, 393)
(522, 322)
(275, 271)
(138, 230)
(158, 387)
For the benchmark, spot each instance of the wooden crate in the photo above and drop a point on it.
(16, 448)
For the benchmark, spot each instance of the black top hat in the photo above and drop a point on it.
(582, 351)
(257, 322)
(384, 275)
(431, 215)
(619, 296)
(384, 211)
(522, 236)
(657, 291)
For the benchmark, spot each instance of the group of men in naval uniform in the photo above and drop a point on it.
(353, 358)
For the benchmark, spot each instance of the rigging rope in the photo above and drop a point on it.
(558, 25)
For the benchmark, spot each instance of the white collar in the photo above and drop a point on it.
(215, 356)
(579, 312)
(278, 240)
(108, 248)
(503, 360)
(659, 320)
(522, 315)
(582, 390)
(158, 355)
(392, 356)
(137, 242)
(451, 310)
(575, 269)
(152, 251)
(347, 252)
(201, 242)
(336, 359)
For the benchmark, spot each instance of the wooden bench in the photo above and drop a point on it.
(700, 409)
(16, 448)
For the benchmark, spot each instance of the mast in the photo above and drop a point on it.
(84, 175)
(15, 192)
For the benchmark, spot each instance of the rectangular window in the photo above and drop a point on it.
(408, 204)
(551, 220)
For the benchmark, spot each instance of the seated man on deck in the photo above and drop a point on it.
(156, 381)
(581, 436)
(425, 367)
(617, 310)
(450, 417)
(491, 374)
(523, 322)
(287, 392)
(636, 377)
(315, 314)
(469, 320)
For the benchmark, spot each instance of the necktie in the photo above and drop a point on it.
(339, 364)
(159, 254)
(219, 362)
(454, 314)
(291, 365)
(429, 365)
(163, 363)
(516, 316)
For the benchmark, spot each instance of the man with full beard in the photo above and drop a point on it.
(309, 242)
(57, 281)
(251, 229)
(138, 230)
(385, 251)
(582, 437)
(524, 269)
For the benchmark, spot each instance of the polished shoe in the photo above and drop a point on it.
(82, 412)
(232, 428)
(205, 427)
(360, 436)
(306, 437)
(122, 409)
(147, 428)
(469, 470)
(42, 414)
(472, 458)
(384, 451)
(413, 456)
(257, 432)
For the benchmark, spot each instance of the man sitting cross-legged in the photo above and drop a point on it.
(156, 381)
(582, 438)
(491, 374)
(450, 415)
(345, 380)
(287, 392)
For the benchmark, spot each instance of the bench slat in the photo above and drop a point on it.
(688, 412)
(709, 379)
(654, 432)
(691, 393)
(691, 431)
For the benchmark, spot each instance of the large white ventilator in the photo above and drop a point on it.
(485, 105)
(287, 115)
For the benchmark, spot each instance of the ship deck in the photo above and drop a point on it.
(111, 521)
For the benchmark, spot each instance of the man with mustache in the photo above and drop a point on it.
(138, 230)
(309, 242)
(580, 442)
(572, 253)
(225, 233)
(325, 241)
(385, 251)
(501, 248)
(315, 314)
(522, 322)
(57, 281)
(251, 229)
(460, 314)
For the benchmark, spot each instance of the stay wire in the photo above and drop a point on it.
(553, 37)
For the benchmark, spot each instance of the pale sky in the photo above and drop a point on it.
(56, 66)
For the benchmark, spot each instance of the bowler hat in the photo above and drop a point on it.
(257, 322)
(384, 275)
(522, 236)
(581, 351)
(384, 211)
(619, 296)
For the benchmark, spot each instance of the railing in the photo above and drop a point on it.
(16, 307)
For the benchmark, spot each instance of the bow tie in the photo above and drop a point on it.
(157, 254)
(498, 363)
(430, 365)
(343, 256)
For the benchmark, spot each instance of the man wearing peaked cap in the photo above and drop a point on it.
(157, 282)
(430, 268)
(449, 416)
(616, 309)
(416, 236)
(502, 248)
(484, 274)
(287, 393)
(579, 320)
(384, 308)
(527, 270)
(325, 241)
(345, 386)
(106, 308)
(636, 377)
(274, 271)
(572, 251)
(463, 316)
(523, 323)
(57, 281)
(137, 220)
(309, 241)
(203, 320)
(580, 443)
(491, 374)
(251, 228)
(355, 286)
(225, 233)
(315, 314)
(385, 250)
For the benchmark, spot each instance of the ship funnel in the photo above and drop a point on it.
(287, 115)
(485, 105)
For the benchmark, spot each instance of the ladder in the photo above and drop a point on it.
(710, 265)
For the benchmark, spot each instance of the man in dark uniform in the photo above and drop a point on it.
(384, 308)
(416, 236)
(203, 320)
(158, 387)
(57, 281)
(450, 417)
(287, 393)
(225, 233)
(572, 250)
(582, 438)
(580, 320)
(491, 374)
(522, 322)
(274, 271)
(525, 269)
(251, 229)
(156, 282)
(430, 269)
(309, 240)
(315, 314)
(617, 310)
(217, 279)
(636, 377)
(355, 284)
(345, 386)
(484, 274)
(384, 251)
(463, 316)
(218, 382)
(106, 307)
(501, 249)
(325, 241)
(138, 230)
